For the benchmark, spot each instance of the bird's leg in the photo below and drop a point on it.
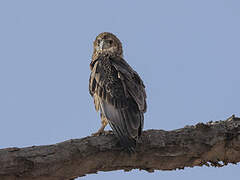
(100, 131)
(104, 124)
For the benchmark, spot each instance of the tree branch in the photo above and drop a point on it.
(212, 144)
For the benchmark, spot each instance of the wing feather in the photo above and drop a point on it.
(119, 94)
(133, 82)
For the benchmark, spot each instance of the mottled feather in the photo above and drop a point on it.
(117, 90)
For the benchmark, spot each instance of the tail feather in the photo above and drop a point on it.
(126, 123)
(127, 142)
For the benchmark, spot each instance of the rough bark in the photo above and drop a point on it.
(212, 144)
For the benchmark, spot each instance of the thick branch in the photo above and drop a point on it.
(214, 143)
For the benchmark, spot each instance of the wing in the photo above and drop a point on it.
(132, 81)
(105, 85)
(114, 88)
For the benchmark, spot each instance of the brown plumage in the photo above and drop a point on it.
(117, 90)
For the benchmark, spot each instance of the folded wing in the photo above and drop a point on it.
(120, 95)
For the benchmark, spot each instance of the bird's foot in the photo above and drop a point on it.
(99, 133)
(107, 132)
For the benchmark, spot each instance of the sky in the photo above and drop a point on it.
(187, 53)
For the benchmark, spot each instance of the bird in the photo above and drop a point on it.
(117, 90)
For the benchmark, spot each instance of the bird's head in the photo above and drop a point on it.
(107, 43)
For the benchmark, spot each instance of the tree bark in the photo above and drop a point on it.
(212, 144)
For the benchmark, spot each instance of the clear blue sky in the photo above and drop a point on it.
(187, 52)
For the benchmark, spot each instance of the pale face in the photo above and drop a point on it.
(107, 43)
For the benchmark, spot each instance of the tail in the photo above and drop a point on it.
(126, 123)
(126, 142)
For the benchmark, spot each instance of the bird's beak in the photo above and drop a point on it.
(101, 45)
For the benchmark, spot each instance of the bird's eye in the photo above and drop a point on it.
(98, 41)
(110, 42)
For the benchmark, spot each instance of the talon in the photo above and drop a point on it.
(97, 134)
(107, 132)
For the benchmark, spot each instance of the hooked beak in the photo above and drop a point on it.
(101, 45)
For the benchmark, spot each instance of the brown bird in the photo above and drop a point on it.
(117, 90)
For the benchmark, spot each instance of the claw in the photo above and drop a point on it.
(98, 133)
